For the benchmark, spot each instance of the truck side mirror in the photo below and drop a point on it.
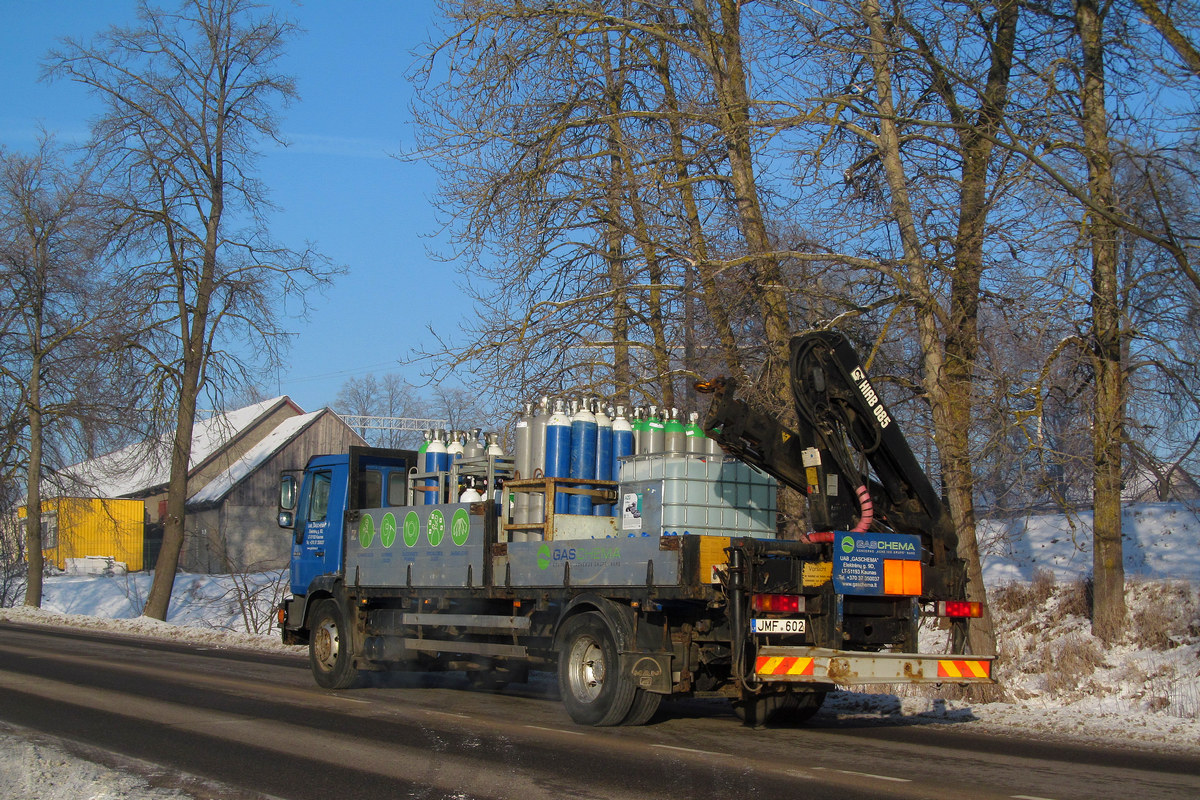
(287, 493)
(286, 519)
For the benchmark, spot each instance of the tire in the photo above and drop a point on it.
(806, 705)
(329, 648)
(793, 707)
(589, 678)
(645, 704)
(758, 710)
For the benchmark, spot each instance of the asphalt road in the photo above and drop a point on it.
(257, 726)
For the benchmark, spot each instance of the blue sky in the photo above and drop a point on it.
(336, 184)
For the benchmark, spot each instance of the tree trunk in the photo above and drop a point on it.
(33, 498)
(1108, 424)
(948, 375)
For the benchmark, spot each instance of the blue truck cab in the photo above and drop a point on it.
(379, 480)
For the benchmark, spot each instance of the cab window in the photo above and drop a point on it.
(397, 488)
(318, 505)
(370, 489)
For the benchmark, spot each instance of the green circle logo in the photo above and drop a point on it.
(543, 556)
(460, 527)
(847, 544)
(436, 528)
(387, 530)
(412, 529)
(366, 532)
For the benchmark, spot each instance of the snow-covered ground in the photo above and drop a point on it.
(1057, 680)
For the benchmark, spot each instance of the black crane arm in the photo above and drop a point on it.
(842, 427)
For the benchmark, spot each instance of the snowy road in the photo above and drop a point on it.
(255, 724)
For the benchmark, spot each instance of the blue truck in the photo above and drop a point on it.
(383, 579)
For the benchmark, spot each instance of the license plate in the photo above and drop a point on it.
(777, 625)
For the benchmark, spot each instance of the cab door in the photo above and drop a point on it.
(318, 543)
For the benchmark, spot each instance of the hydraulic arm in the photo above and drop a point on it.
(847, 454)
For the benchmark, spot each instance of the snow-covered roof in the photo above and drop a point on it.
(254, 458)
(140, 467)
(1144, 484)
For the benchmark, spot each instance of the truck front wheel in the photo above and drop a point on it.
(329, 648)
(589, 678)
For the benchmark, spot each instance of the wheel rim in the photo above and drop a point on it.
(586, 669)
(326, 643)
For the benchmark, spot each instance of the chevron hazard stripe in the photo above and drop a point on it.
(784, 665)
(964, 669)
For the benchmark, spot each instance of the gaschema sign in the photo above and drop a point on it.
(876, 563)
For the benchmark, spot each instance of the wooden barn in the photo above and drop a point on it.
(232, 484)
(231, 522)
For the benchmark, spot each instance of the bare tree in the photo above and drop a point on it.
(189, 95)
(62, 312)
(388, 396)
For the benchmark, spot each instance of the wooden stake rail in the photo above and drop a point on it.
(601, 492)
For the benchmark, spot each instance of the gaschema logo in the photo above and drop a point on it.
(847, 544)
(543, 556)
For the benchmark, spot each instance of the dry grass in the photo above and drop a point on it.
(1069, 663)
(1173, 616)
(1076, 600)
(1025, 596)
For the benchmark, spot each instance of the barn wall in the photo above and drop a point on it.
(243, 534)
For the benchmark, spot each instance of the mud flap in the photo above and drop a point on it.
(650, 672)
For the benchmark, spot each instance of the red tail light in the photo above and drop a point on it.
(778, 603)
(959, 608)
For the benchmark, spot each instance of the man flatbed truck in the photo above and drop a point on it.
(382, 581)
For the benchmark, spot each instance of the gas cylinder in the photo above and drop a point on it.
(524, 434)
(558, 451)
(638, 423)
(537, 457)
(435, 461)
(583, 454)
(470, 493)
(604, 455)
(428, 437)
(655, 434)
(695, 434)
(622, 446)
(674, 436)
(454, 447)
(472, 448)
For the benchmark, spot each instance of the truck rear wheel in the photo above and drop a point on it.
(329, 648)
(645, 704)
(794, 707)
(589, 677)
